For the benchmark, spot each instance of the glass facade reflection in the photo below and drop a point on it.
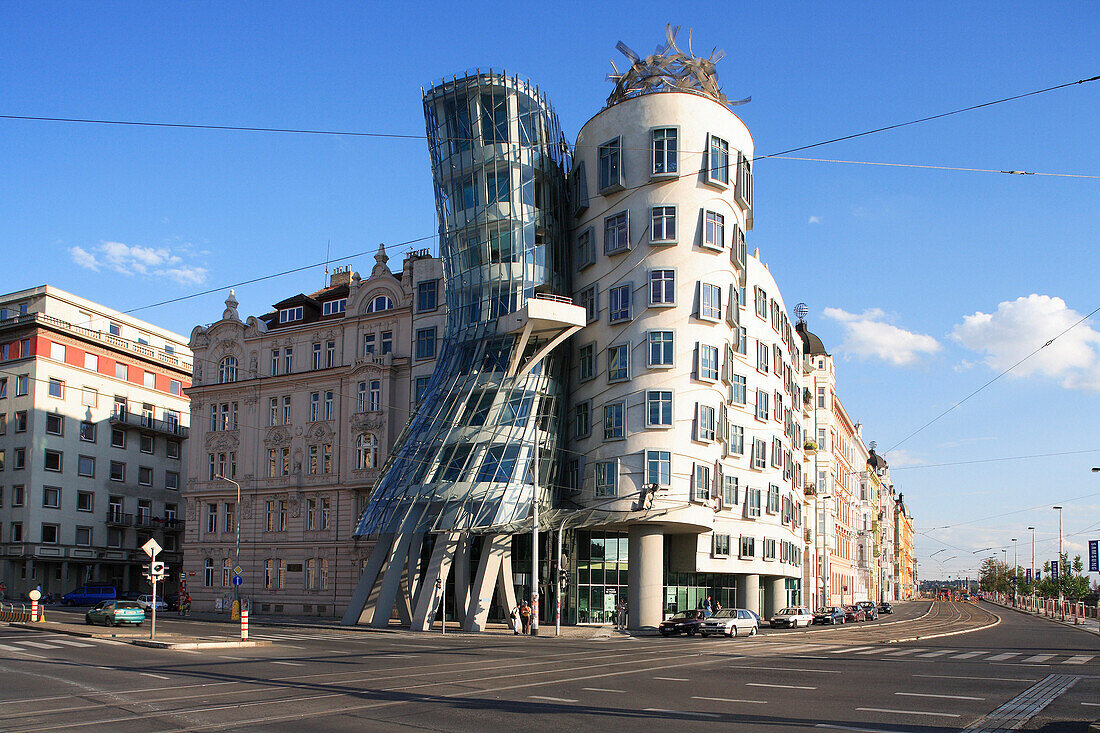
(463, 461)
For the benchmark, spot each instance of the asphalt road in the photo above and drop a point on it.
(1021, 670)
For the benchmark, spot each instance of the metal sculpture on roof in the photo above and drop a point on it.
(669, 69)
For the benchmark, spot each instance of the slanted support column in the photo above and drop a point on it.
(775, 597)
(406, 595)
(645, 575)
(430, 597)
(462, 577)
(493, 549)
(360, 607)
(393, 578)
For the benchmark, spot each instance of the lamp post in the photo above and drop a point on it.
(819, 509)
(1015, 564)
(237, 550)
(1061, 570)
(1032, 553)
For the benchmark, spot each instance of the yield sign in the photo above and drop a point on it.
(151, 547)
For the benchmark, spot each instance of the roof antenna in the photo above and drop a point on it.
(328, 249)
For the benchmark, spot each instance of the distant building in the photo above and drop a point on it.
(93, 442)
(300, 406)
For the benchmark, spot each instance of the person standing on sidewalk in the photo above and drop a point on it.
(516, 620)
(525, 617)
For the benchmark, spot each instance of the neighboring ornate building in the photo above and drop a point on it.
(301, 406)
(93, 442)
(906, 565)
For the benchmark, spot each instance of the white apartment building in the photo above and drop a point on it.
(93, 434)
(300, 407)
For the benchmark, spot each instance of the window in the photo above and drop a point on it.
(17, 495)
(315, 362)
(705, 422)
(742, 341)
(661, 348)
(211, 518)
(761, 303)
(368, 344)
(118, 471)
(427, 295)
(615, 234)
(16, 531)
(614, 421)
(51, 497)
(762, 357)
(737, 440)
(366, 452)
(425, 343)
(56, 388)
(710, 301)
(586, 362)
(273, 411)
(730, 490)
(662, 225)
(374, 395)
(314, 404)
(172, 449)
(288, 359)
(721, 546)
(700, 484)
(332, 307)
(658, 408)
(618, 363)
(387, 342)
(85, 466)
(147, 443)
(582, 419)
(744, 190)
(664, 151)
(590, 303)
(275, 353)
(738, 390)
(718, 161)
(22, 384)
(20, 419)
(227, 370)
(330, 354)
(89, 397)
(759, 453)
(607, 474)
(662, 287)
(57, 352)
(498, 464)
(707, 364)
(496, 186)
(611, 171)
(53, 460)
(91, 362)
(328, 405)
(761, 405)
(85, 501)
(714, 230)
(171, 480)
(421, 388)
(121, 371)
(769, 549)
(145, 476)
(286, 315)
(83, 536)
(773, 499)
(20, 459)
(3, 387)
(55, 424)
(276, 516)
(821, 397)
(748, 547)
(149, 379)
(380, 303)
(50, 534)
(118, 437)
(754, 496)
(586, 252)
(619, 303)
(326, 458)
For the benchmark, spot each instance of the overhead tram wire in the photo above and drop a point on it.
(933, 167)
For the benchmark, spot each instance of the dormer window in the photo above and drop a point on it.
(331, 307)
(380, 303)
(287, 315)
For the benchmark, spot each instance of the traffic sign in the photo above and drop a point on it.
(238, 580)
(1054, 569)
(151, 547)
(157, 568)
(1094, 556)
(238, 570)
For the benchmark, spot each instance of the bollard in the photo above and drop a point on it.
(34, 610)
(244, 624)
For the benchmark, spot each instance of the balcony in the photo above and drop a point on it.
(119, 519)
(146, 423)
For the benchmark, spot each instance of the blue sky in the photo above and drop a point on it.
(923, 283)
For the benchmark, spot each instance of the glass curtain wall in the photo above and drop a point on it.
(463, 461)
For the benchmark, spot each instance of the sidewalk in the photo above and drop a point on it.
(139, 636)
(1084, 624)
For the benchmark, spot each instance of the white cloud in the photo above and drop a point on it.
(900, 458)
(150, 262)
(868, 334)
(1020, 326)
(814, 220)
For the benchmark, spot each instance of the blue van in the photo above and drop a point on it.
(89, 595)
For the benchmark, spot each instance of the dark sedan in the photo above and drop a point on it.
(685, 622)
(885, 607)
(869, 609)
(854, 613)
(829, 615)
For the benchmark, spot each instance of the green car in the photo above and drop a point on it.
(113, 613)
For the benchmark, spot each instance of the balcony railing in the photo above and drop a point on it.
(143, 421)
(119, 519)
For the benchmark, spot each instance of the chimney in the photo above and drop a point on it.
(340, 276)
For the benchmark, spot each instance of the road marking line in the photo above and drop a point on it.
(907, 712)
(70, 642)
(235, 659)
(1038, 658)
(853, 728)
(150, 674)
(681, 712)
(673, 679)
(288, 646)
(785, 687)
(1002, 657)
(945, 697)
(289, 664)
(729, 699)
(601, 689)
(787, 669)
(1079, 659)
(852, 649)
(903, 652)
(36, 645)
(1092, 704)
(551, 699)
(938, 653)
(879, 650)
(968, 655)
(8, 648)
(960, 677)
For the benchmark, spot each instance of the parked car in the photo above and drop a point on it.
(146, 602)
(684, 622)
(869, 609)
(114, 613)
(885, 607)
(854, 613)
(89, 595)
(792, 617)
(731, 622)
(829, 615)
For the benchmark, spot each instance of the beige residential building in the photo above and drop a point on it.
(300, 407)
(93, 427)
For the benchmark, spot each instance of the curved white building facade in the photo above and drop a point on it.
(676, 381)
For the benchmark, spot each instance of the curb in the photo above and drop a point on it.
(1079, 627)
(196, 644)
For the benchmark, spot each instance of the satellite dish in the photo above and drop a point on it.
(801, 311)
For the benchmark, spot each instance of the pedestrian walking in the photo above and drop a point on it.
(622, 615)
(515, 620)
(525, 617)
(707, 610)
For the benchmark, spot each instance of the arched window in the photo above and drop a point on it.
(380, 303)
(366, 452)
(227, 370)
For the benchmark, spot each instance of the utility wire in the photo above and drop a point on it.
(933, 167)
(996, 460)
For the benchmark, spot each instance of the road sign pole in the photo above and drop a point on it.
(153, 625)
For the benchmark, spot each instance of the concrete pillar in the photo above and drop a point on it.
(645, 576)
(65, 576)
(775, 597)
(751, 597)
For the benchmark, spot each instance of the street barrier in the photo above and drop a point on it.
(244, 624)
(14, 612)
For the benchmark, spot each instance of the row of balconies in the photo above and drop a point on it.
(142, 521)
(147, 423)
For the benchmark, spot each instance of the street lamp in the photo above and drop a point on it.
(1015, 564)
(237, 551)
(1061, 570)
(1032, 553)
(824, 569)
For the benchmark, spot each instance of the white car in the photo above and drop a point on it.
(792, 617)
(146, 602)
(731, 622)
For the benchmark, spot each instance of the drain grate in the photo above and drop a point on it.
(1017, 711)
